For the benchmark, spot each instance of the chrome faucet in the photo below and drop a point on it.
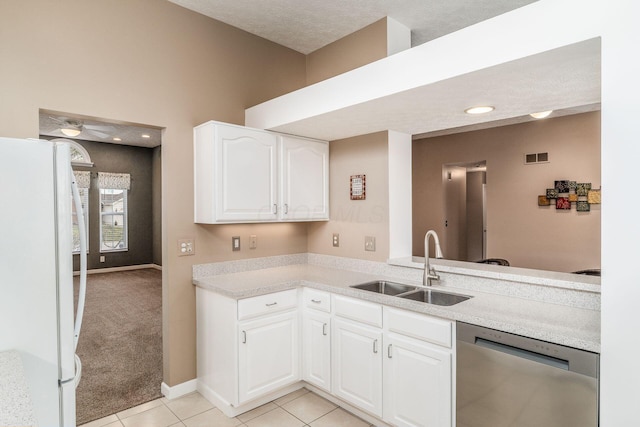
(430, 272)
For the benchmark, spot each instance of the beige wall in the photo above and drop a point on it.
(518, 230)
(355, 50)
(150, 62)
(355, 219)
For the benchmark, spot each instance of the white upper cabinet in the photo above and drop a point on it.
(305, 178)
(250, 175)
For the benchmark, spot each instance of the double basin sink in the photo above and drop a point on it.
(415, 293)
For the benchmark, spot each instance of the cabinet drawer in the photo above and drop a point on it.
(269, 303)
(317, 300)
(420, 326)
(358, 310)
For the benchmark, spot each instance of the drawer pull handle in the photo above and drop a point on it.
(389, 351)
(286, 208)
(317, 301)
(275, 208)
(272, 304)
(375, 346)
(324, 329)
(244, 337)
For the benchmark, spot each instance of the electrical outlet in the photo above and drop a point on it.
(253, 241)
(186, 247)
(235, 243)
(336, 240)
(370, 243)
(101, 258)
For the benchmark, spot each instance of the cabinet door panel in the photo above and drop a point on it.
(268, 355)
(357, 365)
(305, 179)
(246, 175)
(317, 349)
(417, 383)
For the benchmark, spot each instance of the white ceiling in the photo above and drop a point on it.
(307, 25)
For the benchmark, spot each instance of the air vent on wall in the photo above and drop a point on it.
(530, 159)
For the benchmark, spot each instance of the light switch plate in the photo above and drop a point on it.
(235, 243)
(186, 247)
(370, 243)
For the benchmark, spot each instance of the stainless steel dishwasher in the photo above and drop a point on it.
(510, 380)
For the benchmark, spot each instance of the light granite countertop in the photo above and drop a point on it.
(561, 324)
(16, 408)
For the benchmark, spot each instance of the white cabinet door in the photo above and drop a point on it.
(268, 354)
(246, 174)
(316, 349)
(304, 168)
(357, 365)
(417, 378)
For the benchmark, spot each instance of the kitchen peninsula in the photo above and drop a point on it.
(557, 308)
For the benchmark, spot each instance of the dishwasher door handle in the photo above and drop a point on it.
(524, 354)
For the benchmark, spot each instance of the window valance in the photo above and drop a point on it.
(83, 178)
(118, 181)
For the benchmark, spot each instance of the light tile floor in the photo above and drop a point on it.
(297, 409)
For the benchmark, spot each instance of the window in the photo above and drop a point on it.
(113, 219)
(113, 211)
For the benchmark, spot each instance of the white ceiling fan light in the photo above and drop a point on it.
(541, 114)
(71, 128)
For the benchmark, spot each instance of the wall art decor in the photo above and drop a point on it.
(566, 193)
(358, 187)
(582, 188)
(583, 206)
(593, 197)
(562, 186)
(563, 203)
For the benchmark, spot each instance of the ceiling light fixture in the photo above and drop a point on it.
(541, 114)
(70, 131)
(480, 109)
(145, 136)
(115, 138)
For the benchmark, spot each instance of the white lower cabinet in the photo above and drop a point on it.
(357, 365)
(417, 378)
(268, 354)
(316, 353)
(393, 364)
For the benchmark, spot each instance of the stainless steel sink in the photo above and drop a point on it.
(435, 297)
(384, 287)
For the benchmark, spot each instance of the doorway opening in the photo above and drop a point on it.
(465, 211)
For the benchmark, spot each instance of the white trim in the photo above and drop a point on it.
(124, 268)
(179, 389)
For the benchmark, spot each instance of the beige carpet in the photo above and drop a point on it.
(120, 343)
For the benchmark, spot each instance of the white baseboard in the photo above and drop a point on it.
(124, 268)
(178, 390)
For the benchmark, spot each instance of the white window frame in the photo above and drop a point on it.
(125, 217)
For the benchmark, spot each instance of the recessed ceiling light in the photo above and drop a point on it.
(144, 135)
(115, 138)
(70, 131)
(541, 114)
(479, 110)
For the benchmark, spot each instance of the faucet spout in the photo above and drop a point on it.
(430, 272)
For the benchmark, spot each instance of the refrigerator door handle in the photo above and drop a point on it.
(77, 376)
(83, 259)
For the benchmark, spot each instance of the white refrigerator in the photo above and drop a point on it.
(36, 273)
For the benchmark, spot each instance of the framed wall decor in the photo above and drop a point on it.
(358, 187)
